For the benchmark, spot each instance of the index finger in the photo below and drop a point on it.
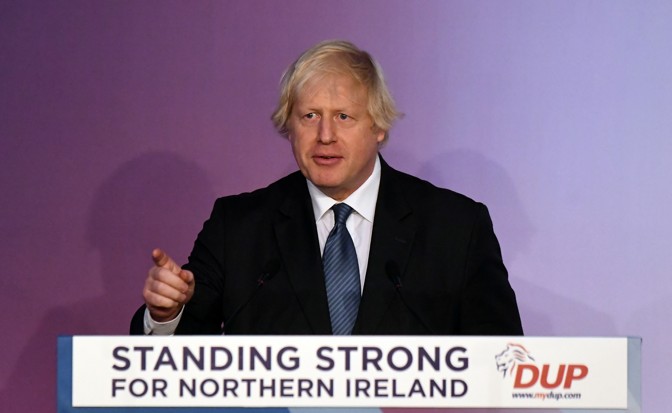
(161, 259)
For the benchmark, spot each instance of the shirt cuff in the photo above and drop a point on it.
(156, 328)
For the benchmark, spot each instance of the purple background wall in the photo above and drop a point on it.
(121, 121)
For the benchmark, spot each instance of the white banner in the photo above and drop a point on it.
(349, 371)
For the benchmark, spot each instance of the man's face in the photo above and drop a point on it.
(332, 134)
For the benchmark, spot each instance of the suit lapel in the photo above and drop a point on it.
(296, 237)
(393, 233)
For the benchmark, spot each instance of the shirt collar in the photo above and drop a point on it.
(363, 200)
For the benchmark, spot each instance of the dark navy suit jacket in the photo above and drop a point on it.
(435, 266)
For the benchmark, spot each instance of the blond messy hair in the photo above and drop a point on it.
(343, 58)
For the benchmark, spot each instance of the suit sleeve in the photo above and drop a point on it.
(488, 304)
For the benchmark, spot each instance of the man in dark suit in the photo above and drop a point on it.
(405, 258)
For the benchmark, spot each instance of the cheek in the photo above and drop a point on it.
(372, 142)
(299, 141)
(296, 144)
(291, 137)
(296, 148)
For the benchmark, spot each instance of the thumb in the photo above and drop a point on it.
(161, 259)
(187, 276)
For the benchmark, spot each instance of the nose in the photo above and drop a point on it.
(326, 131)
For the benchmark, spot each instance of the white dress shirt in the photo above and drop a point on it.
(359, 224)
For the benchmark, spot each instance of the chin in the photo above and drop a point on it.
(327, 182)
(327, 187)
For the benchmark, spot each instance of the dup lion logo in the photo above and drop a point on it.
(508, 359)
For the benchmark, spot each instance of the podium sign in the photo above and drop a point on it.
(345, 371)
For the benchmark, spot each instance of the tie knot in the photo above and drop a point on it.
(341, 212)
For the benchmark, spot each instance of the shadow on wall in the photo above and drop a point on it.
(157, 199)
(484, 180)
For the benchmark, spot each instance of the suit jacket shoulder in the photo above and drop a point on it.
(441, 246)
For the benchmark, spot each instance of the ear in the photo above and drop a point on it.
(380, 135)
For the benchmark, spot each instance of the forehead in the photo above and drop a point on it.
(332, 87)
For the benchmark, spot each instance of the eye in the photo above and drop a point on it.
(343, 116)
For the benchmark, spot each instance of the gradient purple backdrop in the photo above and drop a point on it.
(121, 121)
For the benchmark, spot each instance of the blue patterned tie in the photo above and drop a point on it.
(341, 274)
